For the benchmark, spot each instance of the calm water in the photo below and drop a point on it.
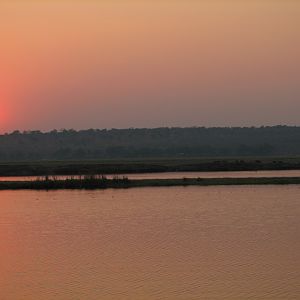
(172, 175)
(151, 243)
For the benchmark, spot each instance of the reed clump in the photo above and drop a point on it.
(89, 181)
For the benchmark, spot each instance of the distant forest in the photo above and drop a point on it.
(150, 143)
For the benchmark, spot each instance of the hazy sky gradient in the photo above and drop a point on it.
(82, 64)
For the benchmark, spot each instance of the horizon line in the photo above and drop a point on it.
(17, 131)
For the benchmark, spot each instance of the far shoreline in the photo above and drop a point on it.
(151, 165)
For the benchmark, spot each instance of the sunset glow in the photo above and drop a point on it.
(80, 64)
(149, 149)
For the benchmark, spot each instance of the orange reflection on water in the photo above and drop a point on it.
(151, 243)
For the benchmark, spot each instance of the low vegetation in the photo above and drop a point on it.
(41, 168)
(101, 182)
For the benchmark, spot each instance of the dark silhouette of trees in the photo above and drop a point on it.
(150, 143)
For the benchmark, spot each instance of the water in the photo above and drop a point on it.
(151, 243)
(174, 175)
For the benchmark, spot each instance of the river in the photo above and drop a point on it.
(237, 242)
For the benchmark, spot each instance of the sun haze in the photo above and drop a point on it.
(82, 64)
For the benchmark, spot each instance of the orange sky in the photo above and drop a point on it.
(81, 64)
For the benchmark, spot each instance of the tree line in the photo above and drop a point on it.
(150, 143)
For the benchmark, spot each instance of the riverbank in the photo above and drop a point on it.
(119, 183)
(41, 168)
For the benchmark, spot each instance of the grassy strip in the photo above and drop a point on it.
(100, 182)
(149, 165)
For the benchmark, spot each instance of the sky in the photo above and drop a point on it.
(148, 63)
